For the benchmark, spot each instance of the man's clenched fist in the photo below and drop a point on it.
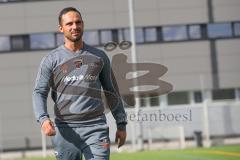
(48, 128)
(120, 138)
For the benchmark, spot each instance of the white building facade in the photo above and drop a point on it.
(197, 40)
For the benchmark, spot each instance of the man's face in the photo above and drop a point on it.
(72, 26)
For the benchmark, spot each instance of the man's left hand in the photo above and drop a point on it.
(120, 137)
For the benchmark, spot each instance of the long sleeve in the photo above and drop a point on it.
(109, 85)
(41, 90)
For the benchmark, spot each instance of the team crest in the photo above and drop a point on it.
(64, 68)
(78, 63)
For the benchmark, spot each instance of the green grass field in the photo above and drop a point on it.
(213, 153)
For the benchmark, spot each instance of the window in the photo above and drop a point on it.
(7, 1)
(142, 35)
(123, 34)
(194, 32)
(106, 36)
(237, 29)
(115, 35)
(177, 98)
(198, 96)
(60, 39)
(219, 30)
(238, 93)
(139, 35)
(4, 43)
(42, 41)
(174, 33)
(154, 100)
(4, 1)
(223, 94)
(20, 42)
(91, 37)
(151, 34)
(204, 31)
(143, 101)
(159, 34)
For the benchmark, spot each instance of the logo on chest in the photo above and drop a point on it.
(64, 68)
(78, 63)
(75, 64)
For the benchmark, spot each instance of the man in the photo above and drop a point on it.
(75, 73)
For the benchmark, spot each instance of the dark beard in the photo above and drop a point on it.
(75, 39)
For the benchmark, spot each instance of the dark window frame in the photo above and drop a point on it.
(23, 1)
(234, 30)
(26, 42)
(9, 43)
(98, 37)
(189, 33)
(178, 93)
(219, 36)
(218, 94)
(45, 33)
(116, 35)
(179, 26)
(198, 97)
(145, 34)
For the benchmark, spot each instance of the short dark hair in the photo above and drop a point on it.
(66, 10)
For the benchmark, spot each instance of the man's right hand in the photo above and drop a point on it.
(48, 128)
